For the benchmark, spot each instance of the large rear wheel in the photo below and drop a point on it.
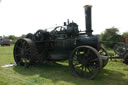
(85, 62)
(24, 52)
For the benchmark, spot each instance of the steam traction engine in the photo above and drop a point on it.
(82, 49)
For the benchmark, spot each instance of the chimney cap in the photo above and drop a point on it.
(87, 6)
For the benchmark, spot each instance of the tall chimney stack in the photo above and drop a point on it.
(88, 19)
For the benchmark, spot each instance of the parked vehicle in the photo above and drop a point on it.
(4, 42)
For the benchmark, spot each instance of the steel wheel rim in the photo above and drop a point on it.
(88, 67)
(22, 52)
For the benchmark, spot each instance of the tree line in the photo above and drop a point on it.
(12, 38)
(112, 36)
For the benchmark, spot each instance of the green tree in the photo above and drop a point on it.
(22, 36)
(12, 37)
(125, 34)
(110, 36)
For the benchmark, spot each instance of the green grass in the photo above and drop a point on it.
(115, 73)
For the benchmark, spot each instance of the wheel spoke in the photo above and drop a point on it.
(75, 58)
(18, 55)
(18, 47)
(94, 60)
(88, 51)
(27, 50)
(90, 70)
(82, 66)
(76, 64)
(24, 45)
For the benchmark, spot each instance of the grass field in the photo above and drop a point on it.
(115, 73)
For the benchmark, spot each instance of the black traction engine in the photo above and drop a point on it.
(82, 49)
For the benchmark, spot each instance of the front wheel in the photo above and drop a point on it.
(85, 62)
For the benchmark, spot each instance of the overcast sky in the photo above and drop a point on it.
(19, 17)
